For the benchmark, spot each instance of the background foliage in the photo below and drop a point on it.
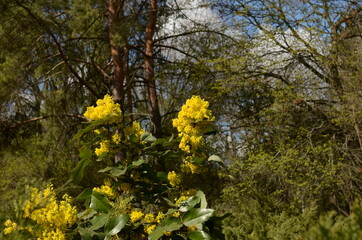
(283, 79)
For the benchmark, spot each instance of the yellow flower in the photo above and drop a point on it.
(173, 178)
(191, 124)
(106, 190)
(54, 216)
(116, 138)
(136, 216)
(106, 108)
(160, 217)
(176, 214)
(135, 129)
(10, 226)
(52, 235)
(149, 218)
(104, 147)
(185, 195)
(149, 228)
(179, 200)
(167, 233)
(191, 228)
(189, 166)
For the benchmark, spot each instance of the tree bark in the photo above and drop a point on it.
(150, 70)
(115, 11)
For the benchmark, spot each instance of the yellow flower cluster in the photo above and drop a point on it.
(160, 216)
(54, 217)
(104, 147)
(10, 226)
(184, 196)
(116, 138)
(55, 234)
(190, 123)
(150, 219)
(174, 179)
(106, 108)
(136, 216)
(106, 190)
(189, 166)
(135, 129)
(149, 228)
(191, 228)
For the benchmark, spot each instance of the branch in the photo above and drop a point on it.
(193, 32)
(19, 123)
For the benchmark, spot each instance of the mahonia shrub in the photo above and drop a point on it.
(143, 193)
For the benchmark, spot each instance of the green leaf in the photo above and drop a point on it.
(77, 174)
(105, 169)
(170, 203)
(158, 141)
(170, 224)
(198, 160)
(170, 211)
(116, 172)
(91, 126)
(107, 237)
(88, 213)
(85, 194)
(137, 163)
(99, 202)
(116, 224)
(189, 203)
(99, 221)
(202, 197)
(162, 176)
(148, 137)
(215, 158)
(198, 235)
(133, 138)
(86, 234)
(196, 216)
(85, 153)
(156, 234)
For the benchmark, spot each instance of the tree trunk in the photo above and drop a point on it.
(115, 11)
(150, 70)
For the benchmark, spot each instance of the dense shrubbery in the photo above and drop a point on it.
(148, 189)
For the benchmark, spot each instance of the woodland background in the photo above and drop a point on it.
(283, 78)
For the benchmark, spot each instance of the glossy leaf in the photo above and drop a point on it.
(171, 224)
(116, 172)
(86, 234)
(99, 221)
(196, 216)
(116, 224)
(85, 194)
(99, 202)
(189, 203)
(78, 172)
(148, 137)
(215, 158)
(203, 202)
(198, 235)
(156, 234)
